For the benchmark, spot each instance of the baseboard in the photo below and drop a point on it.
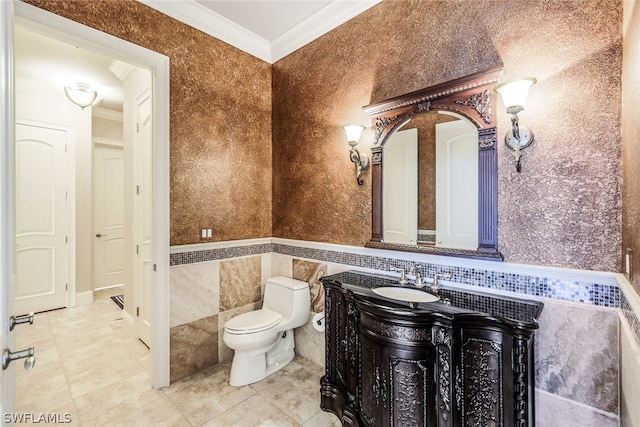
(128, 323)
(84, 298)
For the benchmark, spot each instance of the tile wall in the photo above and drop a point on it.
(580, 345)
(204, 296)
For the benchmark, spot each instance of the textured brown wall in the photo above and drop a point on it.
(220, 120)
(562, 210)
(631, 139)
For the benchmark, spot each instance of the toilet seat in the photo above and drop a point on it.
(253, 322)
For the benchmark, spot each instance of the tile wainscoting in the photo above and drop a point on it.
(589, 330)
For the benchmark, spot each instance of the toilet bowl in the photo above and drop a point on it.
(263, 340)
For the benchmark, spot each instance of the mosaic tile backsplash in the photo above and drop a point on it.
(600, 294)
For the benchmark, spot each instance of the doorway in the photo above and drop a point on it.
(71, 32)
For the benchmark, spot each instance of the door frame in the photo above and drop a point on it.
(89, 38)
(7, 205)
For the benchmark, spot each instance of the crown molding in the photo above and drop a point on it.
(200, 17)
(320, 23)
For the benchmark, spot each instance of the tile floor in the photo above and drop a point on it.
(89, 367)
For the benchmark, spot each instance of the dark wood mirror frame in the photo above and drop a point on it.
(472, 97)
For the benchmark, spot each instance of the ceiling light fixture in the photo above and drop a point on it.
(81, 94)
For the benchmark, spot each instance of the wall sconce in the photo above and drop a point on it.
(361, 161)
(81, 94)
(514, 94)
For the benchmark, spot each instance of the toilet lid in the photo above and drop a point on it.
(253, 321)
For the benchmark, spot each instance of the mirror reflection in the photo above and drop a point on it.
(430, 182)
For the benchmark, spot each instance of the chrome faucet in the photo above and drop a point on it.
(403, 276)
(418, 283)
(435, 285)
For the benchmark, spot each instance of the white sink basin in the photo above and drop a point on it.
(405, 294)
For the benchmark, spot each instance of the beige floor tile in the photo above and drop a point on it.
(316, 369)
(26, 334)
(159, 413)
(80, 338)
(323, 419)
(294, 389)
(102, 350)
(211, 396)
(87, 365)
(83, 380)
(44, 395)
(116, 401)
(191, 379)
(255, 411)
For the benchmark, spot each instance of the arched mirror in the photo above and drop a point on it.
(434, 170)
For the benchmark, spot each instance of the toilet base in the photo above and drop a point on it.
(248, 367)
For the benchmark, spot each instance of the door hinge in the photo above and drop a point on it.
(137, 249)
(137, 189)
(154, 267)
(66, 239)
(66, 286)
(137, 311)
(138, 127)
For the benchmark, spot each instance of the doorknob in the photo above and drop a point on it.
(28, 354)
(13, 321)
(100, 235)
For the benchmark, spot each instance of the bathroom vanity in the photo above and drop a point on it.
(464, 360)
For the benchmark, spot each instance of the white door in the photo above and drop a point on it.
(108, 215)
(41, 222)
(7, 377)
(457, 185)
(143, 213)
(400, 188)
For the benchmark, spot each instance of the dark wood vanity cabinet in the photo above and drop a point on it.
(435, 365)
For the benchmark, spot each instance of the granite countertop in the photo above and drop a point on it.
(514, 310)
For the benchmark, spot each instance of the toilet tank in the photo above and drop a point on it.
(289, 297)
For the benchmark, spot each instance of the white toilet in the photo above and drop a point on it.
(263, 339)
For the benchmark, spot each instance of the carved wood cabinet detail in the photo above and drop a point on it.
(388, 365)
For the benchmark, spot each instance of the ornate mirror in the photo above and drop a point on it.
(434, 170)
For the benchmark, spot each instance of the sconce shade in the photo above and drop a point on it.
(353, 133)
(81, 94)
(514, 93)
(361, 160)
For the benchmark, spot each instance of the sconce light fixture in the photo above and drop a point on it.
(81, 94)
(514, 94)
(361, 161)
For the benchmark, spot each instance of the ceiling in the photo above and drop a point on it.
(266, 29)
(60, 64)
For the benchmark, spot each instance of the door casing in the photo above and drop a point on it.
(70, 31)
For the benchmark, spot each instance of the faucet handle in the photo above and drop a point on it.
(435, 285)
(403, 277)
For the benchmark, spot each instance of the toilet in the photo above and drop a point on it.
(263, 339)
